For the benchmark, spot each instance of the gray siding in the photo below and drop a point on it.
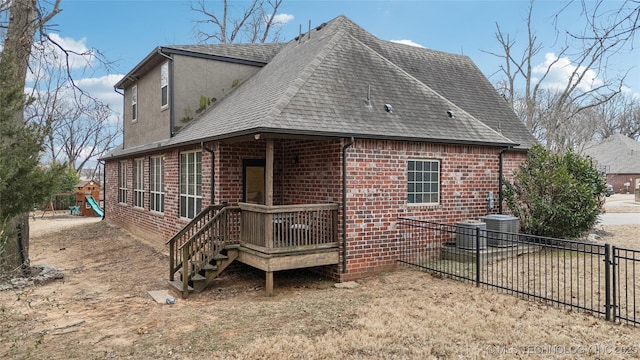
(196, 78)
(152, 123)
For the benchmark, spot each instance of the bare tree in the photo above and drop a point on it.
(621, 115)
(25, 18)
(619, 24)
(23, 30)
(76, 127)
(256, 23)
(76, 131)
(554, 122)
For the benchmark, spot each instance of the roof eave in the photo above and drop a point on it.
(270, 132)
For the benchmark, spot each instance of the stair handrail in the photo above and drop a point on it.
(204, 256)
(183, 252)
(175, 258)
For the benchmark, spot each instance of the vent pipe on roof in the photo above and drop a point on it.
(367, 101)
(309, 28)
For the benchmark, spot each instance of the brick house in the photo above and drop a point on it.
(315, 146)
(618, 157)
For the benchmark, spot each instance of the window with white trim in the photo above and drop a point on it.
(138, 183)
(122, 182)
(423, 182)
(134, 102)
(156, 183)
(164, 85)
(190, 184)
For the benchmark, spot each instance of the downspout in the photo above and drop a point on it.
(123, 107)
(170, 92)
(500, 176)
(344, 204)
(213, 157)
(104, 188)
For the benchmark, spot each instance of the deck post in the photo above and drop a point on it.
(268, 200)
(268, 176)
(269, 285)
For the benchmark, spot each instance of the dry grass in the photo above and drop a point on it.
(102, 310)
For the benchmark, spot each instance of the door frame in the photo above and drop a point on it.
(253, 163)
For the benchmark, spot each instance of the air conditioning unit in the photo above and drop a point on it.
(500, 229)
(466, 234)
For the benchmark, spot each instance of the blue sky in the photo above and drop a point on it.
(126, 31)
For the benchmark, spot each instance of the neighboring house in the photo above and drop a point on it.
(317, 146)
(619, 157)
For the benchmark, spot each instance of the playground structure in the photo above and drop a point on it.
(87, 199)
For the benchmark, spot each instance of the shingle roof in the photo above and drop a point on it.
(617, 153)
(254, 52)
(336, 80)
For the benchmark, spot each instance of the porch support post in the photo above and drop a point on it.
(269, 285)
(268, 201)
(268, 198)
(268, 181)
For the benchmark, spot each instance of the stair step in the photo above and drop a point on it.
(197, 277)
(220, 257)
(209, 267)
(177, 285)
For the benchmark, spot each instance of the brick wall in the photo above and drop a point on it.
(141, 221)
(377, 195)
(310, 172)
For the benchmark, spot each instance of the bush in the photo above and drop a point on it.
(556, 195)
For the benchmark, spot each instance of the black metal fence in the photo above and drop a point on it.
(598, 278)
(625, 287)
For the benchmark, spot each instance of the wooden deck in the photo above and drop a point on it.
(269, 238)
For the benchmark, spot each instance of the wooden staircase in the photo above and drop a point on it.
(203, 249)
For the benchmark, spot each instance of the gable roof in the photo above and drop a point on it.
(336, 80)
(617, 153)
(251, 54)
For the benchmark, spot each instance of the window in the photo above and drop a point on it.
(156, 183)
(122, 182)
(190, 184)
(423, 181)
(138, 183)
(134, 103)
(164, 85)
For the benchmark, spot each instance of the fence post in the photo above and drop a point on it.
(607, 282)
(477, 256)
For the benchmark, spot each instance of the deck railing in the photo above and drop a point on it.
(286, 228)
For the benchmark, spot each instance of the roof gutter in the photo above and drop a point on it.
(294, 132)
(344, 204)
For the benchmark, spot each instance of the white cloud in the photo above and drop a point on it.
(281, 19)
(560, 70)
(79, 55)
(407, 42)
(102, 89)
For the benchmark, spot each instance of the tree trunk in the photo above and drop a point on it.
(18, 42)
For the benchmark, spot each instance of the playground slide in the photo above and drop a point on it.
(94, 205)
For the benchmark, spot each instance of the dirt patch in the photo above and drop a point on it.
(102, 309)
